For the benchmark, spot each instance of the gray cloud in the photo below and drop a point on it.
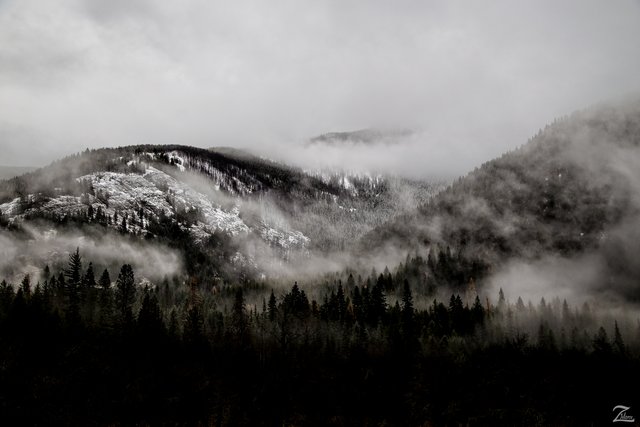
(41, 246)
(475, 80)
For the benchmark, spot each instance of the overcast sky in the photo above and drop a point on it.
(474, 78)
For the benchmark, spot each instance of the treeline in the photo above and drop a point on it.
(87, 347)
(60, 176)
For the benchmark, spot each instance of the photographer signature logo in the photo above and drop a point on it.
(621, 416)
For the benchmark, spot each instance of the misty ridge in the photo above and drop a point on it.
(333, 208)
(172, 251)
(563, 203)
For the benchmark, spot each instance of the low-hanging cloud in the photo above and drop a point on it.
(28, 254)
(476, 79)
(417, 155)
(600, 147)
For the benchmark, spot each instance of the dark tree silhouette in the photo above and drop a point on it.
(125, 294)
(73, 274)
(105, 280)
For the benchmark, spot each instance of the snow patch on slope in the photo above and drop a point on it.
(190, 199)
(284, 238)
(10, 208)
(155, 193)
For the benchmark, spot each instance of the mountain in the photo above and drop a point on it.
(219, 204)
(363, 136)
(571, 194)
(567, 200)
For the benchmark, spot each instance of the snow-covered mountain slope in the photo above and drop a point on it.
(137, 198)
(228, 203)
(155, 192)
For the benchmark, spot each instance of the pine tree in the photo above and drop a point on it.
(194, 326)
(378, 304)
(125, 294)
(73, 274)
(501, 300)
(566, 313)
(618, 343)
(272, 307)
(477, 311)
(26, 286)
(239, 315)
(358, 304)
(89, 280)
(6, 297)
(150, 318)
(88, 294)
(408, 319)
(407, 305)
(105, 280)
(340, 303)
(351, 282)
(174, 327)
(601, 343)
(105, 300)
(46, 273)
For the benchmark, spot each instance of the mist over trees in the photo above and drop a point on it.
(507, 298)
(232, 354)
(569, 196)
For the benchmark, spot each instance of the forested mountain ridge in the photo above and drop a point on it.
(225, 204)
(573, 189)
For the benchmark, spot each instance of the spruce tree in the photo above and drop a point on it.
(26, 286)
(601, 344)
(74, 277)
(409, 327)
(273, 307)
(89, 280)
(105, 280)
(194, 327)
(125, 294)
(46, 273)
(150, 318)
(105, 300)
(378, 304)
(618, 343)
(239, 315)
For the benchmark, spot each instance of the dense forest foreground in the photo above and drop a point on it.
(80, 349)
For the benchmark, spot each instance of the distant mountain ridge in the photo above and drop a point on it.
(363, 136)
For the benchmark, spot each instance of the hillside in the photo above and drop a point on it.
(573, 190)
(218, 204)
